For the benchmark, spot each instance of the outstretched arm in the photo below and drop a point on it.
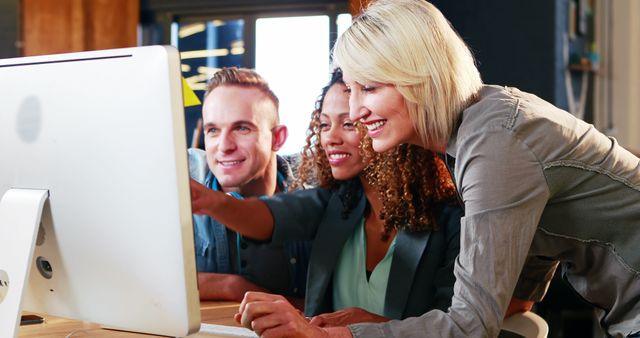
(250, 217)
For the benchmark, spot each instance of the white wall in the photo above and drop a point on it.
(617, 91)
(626, 71)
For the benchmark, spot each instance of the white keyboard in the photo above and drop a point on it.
(208, 330)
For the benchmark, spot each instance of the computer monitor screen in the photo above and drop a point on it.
(104, 133)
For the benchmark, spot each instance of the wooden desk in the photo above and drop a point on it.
(54, 327)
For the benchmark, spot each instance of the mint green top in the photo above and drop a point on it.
(350, 285)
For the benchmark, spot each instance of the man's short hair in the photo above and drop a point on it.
(243, 77)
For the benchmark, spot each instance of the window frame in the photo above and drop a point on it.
(157, 17)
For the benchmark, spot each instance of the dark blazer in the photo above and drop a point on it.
(421, 276)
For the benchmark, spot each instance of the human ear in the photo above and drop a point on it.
(280, 134)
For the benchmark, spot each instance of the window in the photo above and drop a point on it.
(292, 53)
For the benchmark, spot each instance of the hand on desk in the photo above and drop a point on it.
(273, 316)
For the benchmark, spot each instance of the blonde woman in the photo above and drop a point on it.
(542, 190)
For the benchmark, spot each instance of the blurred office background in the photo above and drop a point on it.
(581, 55)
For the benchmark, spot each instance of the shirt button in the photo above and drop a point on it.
(243, 245)
(293, 260)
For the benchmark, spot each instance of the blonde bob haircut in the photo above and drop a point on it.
(409, 44)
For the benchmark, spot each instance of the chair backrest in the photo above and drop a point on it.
(526, 324)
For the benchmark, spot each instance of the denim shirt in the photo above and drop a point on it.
(543, 191)
(279, 268)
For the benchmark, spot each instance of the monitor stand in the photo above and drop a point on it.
(20, 214)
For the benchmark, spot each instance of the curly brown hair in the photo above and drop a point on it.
(413, 183)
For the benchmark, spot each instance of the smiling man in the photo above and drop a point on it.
(241, 135)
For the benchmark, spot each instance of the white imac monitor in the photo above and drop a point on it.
(103, 133)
